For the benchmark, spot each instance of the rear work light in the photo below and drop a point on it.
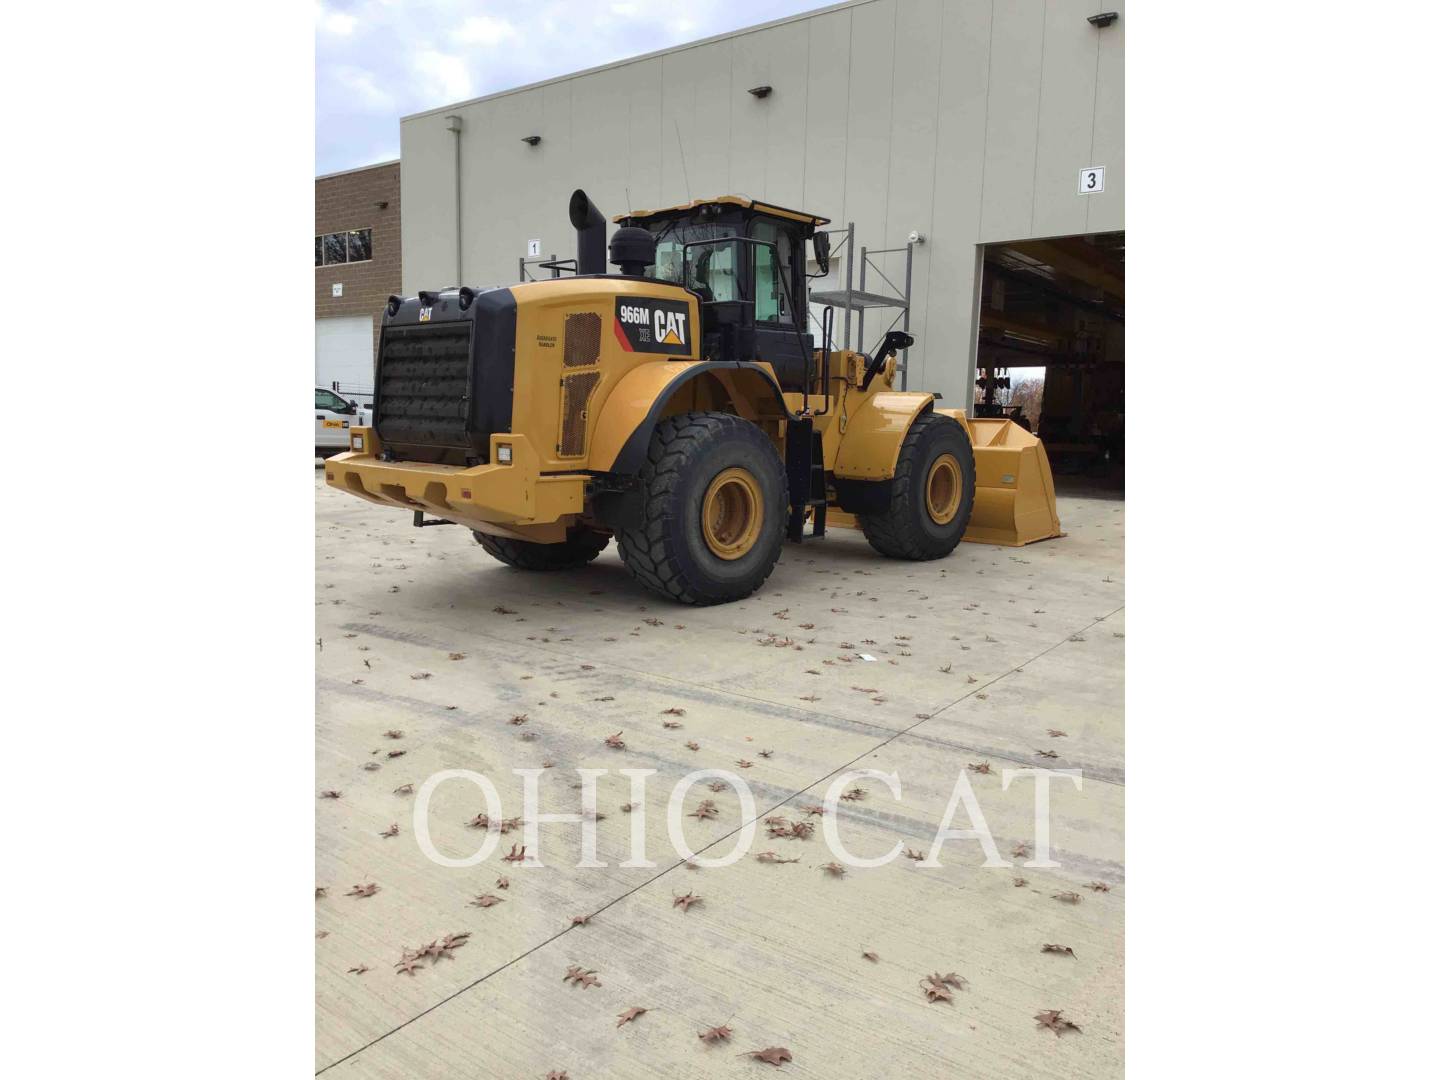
(357, 442)
(504, 454)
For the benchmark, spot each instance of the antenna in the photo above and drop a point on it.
(628, 208)
(683, 171)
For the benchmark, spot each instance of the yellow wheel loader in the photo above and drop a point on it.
(679, 406)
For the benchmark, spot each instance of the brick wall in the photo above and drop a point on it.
(350, 201)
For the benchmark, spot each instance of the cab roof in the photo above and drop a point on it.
(813, 220)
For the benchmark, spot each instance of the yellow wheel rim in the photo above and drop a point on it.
(942, 489)
(732, 513)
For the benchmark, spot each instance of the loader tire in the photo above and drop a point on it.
(713, 509)
(931, 496)
(579, 548)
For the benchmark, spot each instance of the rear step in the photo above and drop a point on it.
(805, 472)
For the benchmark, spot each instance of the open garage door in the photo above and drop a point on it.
(1051, 350)
(344, 355)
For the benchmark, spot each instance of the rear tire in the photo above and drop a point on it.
(931, 496)
(580, 547)
(713, 508)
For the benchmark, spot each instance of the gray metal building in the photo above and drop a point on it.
(976, 124)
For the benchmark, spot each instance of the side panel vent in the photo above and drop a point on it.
(575, 393)
(582, 339)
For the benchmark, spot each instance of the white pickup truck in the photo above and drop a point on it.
(334, 417)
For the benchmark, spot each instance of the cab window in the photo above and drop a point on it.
(324, 399)
(772, 263)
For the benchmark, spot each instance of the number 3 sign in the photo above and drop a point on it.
(1092, 180)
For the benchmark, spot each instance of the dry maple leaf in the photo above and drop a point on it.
(630, 1014)
(1062, 949)
(554, 1075)
(479, 821)
(771, 1055)
(911, 853)
(1046, 754)
(501, 609)
(405, 789)
(744, 764)
(614, 741)
(652, 621)
(1066, 897)
(872, 957)
(393, 830)
(421, 675)
(774, 857)
(671, 724)
(692, 746)
(514, 856)
(580, 920)
(393, 733)
(946, 669)
(359, 970)
(331, 794)
(834, 869)
(715, 1034)
(1098, 886)
(581, 977)
(814, 811)
(1019, 882)
(519, 718)
(1052, 1020)
(452, 941)
(855, 794)
(1055, 733)
(684, 902)
(865, 689)
(371, 766)
(321, 890)
(673, 711)
(407, 965)
(982, 767)
(766, 753)
(717, 785)
(363, 890)
(1021, 850)
(705, 811)
(502, 883)
(486, 900)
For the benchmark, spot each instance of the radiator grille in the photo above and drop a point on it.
(423, 384)
(582, 339)
(575, 399)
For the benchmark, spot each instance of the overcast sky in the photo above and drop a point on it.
(379, 60)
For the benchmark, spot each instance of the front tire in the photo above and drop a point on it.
(931, 496)
(713, 509)
(579, 548)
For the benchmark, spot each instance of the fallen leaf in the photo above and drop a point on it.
(363, 890)
(1046, 753)
(514, 856)
(393, 830)
(911, 853)
(742, 763)
(580, 977)
(519, 718)
(1098, 886)
(673, 711)
(331, 794)
(1055, 733)
(715, 1034)
(982, 767)
(872, 957)
(692, 746)
(1062, 949)
(834, 869)
(502, 883)
(421, 675)
(705, 811)
(614, 741)
(855, 794)
(771, 1055)
(774, 857)
(1019, 882)
(630, 1014)
(684, 902)
(405, 789)
(1052, 1020)
(500, 609)
(360, 970)
(1066, 897)
(671, 724)
(457, 656)
(407, 965)
(394, 734)
(487, 900)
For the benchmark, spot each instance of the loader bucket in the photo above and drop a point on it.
(1014, 491)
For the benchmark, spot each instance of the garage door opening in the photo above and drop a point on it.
(1051, 350)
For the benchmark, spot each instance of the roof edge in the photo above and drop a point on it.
(358, 168)
(682, 47)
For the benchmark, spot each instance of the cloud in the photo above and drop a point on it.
(486, 30)
(363, 90)
(443, 76)
(338, 23)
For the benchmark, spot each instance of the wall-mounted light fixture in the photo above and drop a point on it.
(382, 204)
(760, 91)
(531, 140)
(1104, 19)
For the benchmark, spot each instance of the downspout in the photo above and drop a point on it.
(456, 125)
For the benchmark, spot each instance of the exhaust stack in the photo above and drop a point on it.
(589, 234)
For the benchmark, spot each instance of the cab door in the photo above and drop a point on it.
(333, 415)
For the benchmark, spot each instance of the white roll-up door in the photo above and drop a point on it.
(344, 354)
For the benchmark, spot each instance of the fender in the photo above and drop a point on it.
(636, 405)
(870, 443)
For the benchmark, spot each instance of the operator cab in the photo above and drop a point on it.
(746, 262)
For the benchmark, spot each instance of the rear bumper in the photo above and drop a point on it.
(478, 496)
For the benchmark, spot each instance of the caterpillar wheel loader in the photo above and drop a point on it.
(679, 407)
